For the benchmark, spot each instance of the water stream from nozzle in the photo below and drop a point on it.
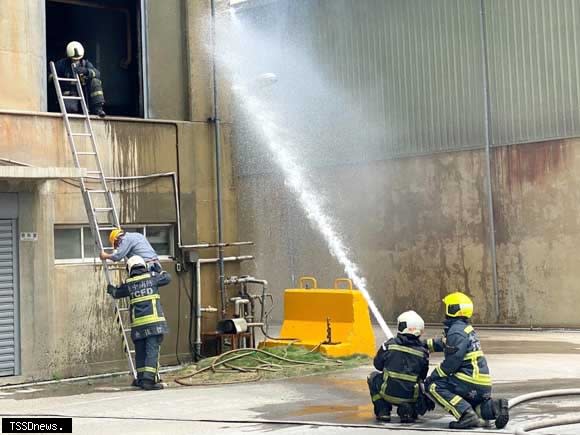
(295, 179)
(262, 120)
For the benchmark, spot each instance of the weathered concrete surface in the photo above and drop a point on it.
(538, 231)
(168, 88)
(22, 55)
(418, 228)
(339, 398)
(24, 173)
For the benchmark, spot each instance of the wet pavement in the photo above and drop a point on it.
(339, 398)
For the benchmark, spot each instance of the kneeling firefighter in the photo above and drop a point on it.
(403, 363)
(148, 324)
(462, 383)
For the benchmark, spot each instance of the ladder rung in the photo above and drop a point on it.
(86, 153)
(127, 330)
(65, 80)
(76, 115)
(122, 309)
(107, 228)
(102, 209)
(70, 97)
(80, 134)
(108, 248)
(97, 191)
(94, 172)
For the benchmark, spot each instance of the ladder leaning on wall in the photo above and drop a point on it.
(97, 198)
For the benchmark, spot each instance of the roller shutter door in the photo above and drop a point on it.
(8, 303)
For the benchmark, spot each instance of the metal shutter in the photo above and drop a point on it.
(8, 285)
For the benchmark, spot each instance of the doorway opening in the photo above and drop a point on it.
(109, 31)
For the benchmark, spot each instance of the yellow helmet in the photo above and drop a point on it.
(458, 305)
(114, 235)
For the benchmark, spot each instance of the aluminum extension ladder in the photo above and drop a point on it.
(98, 201)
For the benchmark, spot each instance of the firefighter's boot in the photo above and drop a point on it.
(502, 413)
(468, 420)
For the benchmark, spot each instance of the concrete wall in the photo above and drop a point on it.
(418, 229)
(22, 55)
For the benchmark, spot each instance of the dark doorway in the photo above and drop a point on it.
(109, 32)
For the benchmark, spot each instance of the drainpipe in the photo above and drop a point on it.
(487, 126)
(218, 151)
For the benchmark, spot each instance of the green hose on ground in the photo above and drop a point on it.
(260, 364)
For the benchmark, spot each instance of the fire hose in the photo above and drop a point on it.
(551, 422)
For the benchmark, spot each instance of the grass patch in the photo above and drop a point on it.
(248, 365)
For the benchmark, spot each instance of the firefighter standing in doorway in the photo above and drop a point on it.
(90, 79)
(462, 383)
(128, 244)
(148, 323)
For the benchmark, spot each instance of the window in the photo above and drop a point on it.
(110, 33)
(74, 244)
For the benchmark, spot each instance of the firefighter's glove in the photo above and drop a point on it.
(111, 289)
(424, 404)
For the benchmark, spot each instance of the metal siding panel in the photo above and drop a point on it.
(534, 69)
(8, 282)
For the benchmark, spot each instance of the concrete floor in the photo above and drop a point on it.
(521, 362)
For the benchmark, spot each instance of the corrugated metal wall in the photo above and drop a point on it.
(414, 67)
(534, 69)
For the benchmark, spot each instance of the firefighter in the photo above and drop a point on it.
(90, 79)
(402, 363)
(148, 324)
(462, 383)
(128, 244)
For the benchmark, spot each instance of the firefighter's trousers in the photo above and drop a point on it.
(147, 357)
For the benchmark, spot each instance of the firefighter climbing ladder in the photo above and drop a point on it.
(98, 200)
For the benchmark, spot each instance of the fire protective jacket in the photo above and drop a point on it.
(404, 361)
(147, 316)
(464, 358)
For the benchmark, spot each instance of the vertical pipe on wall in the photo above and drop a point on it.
(487, 133)
(218, 151)
(144, 26)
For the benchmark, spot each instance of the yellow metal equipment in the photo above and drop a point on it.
(336, 321)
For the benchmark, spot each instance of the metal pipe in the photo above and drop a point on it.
(487, 122)
(218, 151)
(197, 343)
(226, 259)
(215, 245)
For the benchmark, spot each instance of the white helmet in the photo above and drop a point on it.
(410, 323)
(75, 50)
(135, 261)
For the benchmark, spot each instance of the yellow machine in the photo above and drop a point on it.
(336, 321)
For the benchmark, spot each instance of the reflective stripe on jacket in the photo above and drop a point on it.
(464, 358)
(404, 361)
(147, 316)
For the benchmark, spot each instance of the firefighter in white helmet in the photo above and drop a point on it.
(90, 79)
(148, 324)
(402, 363)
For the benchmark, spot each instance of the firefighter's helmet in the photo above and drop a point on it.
(75, 50)
(114, 236)
(410, 322)
(135, 261)
(458, 305)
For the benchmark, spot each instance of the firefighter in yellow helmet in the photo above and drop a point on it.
(127, 244)
(461, 383)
